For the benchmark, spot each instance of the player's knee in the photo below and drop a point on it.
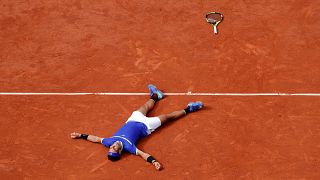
(164, 117)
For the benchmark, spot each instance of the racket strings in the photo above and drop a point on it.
(214, 17)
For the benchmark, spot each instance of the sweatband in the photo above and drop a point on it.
(84, 136)
(150, 159)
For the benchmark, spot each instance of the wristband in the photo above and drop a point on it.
(84, 136)
(151, 159)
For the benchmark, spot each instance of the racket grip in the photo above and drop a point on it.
(215, 30)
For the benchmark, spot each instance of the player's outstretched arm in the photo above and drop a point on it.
(91, 138)
(150, 159)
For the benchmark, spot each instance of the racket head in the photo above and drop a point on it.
(214, 18)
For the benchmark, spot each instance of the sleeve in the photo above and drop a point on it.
(106, 142)
(131, 149)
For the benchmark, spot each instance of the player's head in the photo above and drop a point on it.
(115, 150)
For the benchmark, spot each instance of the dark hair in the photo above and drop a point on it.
(113, 158)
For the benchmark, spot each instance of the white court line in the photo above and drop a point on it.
(144, 94)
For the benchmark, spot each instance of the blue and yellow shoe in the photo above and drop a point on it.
(195, 106)
(153, 90)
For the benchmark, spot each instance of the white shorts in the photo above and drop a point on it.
(152, 123)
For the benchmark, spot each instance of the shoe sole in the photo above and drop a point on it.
(198, 102)
(154, 89)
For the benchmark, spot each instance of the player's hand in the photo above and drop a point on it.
(75, 135)
(157, 165)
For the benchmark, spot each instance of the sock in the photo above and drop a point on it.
(187, 110)
(154, 97)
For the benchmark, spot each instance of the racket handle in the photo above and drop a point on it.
(215, 30)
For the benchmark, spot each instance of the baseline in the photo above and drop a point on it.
(143, 94)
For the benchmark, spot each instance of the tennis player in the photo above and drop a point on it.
(138, 126)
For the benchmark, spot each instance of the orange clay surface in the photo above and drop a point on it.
(122, 46)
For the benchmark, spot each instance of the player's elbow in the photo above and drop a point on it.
(97, 139)
(94, 139)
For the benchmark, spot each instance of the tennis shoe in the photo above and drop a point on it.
(153, 90)
(195, 106)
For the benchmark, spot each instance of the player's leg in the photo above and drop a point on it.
(144, 109)
(155, 95)
(192, 107)
(174, 115)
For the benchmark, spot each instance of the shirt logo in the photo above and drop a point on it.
(124, 139)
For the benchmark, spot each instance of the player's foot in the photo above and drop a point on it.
(153, 90)
(195, 106)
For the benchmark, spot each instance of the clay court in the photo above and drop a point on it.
(72, 46)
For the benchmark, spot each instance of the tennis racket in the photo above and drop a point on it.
(214, 18)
